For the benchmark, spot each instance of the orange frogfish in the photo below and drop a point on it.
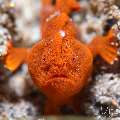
(60, 64)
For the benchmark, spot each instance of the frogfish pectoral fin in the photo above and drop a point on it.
(15, 57)
(106, 46)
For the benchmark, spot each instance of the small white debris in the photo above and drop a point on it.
(116, 59)
(12, 4)
(112, 43)
(116, 44)
(62, 33)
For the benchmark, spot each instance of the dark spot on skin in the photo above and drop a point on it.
(53, 2)
(44, 59)
(46, 69)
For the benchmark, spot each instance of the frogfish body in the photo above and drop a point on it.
(60, 64)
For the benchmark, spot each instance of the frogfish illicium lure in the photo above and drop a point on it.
(60, 64)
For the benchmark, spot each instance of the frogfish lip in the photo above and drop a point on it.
(59, 76)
